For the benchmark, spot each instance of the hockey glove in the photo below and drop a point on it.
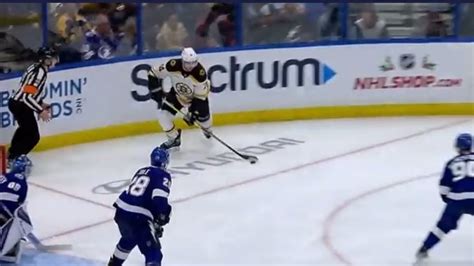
(156, 90)
(158, 95)
(162, 219)
(158, 230)
(190, 118)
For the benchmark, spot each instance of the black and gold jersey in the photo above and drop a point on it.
(188, 85)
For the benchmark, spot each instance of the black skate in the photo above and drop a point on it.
(114, 261)
(421, 256)
(172, 143)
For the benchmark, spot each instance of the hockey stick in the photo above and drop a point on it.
(250, 158)
(46, 248)
(35, 241)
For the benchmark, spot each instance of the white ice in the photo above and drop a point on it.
(356, 192)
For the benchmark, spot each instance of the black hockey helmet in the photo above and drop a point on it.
(47, 53)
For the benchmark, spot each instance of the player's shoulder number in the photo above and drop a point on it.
(462, 169)
(14, 186)
(139, 183)
(167, 182)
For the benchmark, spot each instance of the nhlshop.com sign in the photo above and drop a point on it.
(411, 72)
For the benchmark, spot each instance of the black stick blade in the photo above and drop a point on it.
(250, 158)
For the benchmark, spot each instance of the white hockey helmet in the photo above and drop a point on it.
(190, 58)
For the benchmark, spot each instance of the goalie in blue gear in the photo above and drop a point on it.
(15, 222)
(142, 210)
(457, 191)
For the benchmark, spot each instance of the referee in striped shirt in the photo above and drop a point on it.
(27, 101)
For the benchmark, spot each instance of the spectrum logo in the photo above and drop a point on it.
(281, 70)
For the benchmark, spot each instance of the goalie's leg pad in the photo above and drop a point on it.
(14, 255)
(14, 230)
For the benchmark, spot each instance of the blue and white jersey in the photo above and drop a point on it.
(147, 194)
(98, 47)
(13, 189)
(457, 182)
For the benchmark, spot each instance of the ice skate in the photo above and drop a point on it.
(207, 133)
(172, 142)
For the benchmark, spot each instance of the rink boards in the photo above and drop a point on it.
(111, 100)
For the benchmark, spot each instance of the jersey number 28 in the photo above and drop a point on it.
(138, 185)
(462, 170)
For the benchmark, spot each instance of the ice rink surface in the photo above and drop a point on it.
(325, 192)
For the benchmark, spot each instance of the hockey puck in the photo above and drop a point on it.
(253, 160)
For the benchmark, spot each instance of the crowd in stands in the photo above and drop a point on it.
(91, 31)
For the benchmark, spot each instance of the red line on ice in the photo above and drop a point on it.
(331, 218)
(258, 178)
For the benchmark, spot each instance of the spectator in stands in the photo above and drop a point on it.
(69, 25)
(328, 23)
(101, 42)
(369, 26)
(431, 25)
(117, 13)
(467, 20)
(172, 34)
(276, 22)
(254, 23)
(293, 17)
(224, 14)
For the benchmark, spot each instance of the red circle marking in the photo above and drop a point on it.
(331, 218)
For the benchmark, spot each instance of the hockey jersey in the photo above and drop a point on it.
(13, 190)
(457, 182)
(98, 47)
(188, 85)
(147, 194)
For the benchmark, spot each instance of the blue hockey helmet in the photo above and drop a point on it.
(160, 158)
(21, 165)
(463, 142)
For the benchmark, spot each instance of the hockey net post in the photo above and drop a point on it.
(3, 159)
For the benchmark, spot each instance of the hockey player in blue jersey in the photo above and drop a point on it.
(142, 210)
(14, 221)
(457, 191)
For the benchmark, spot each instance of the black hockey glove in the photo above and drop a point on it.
(162, 219)
(156, 90)
(158, 95)
(158, 230)
(190, 118)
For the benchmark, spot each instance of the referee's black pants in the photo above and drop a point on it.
(27, 134)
